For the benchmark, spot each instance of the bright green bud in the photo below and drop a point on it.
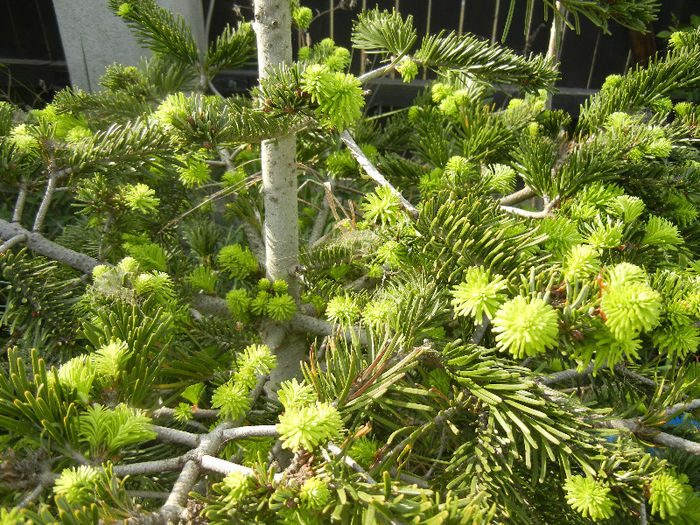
(235, 486)
(408, 69)
(294, 395)
(99, 270)
(630, 308)
(378, 313)
(280, 286)
(612, 81)
(124, 9)
(479, 294)
(667, 495)
(281, 307)
(314, 493)
(342, 309)
(139, 197)
(525, 327)
(302, 17)
(589, 497)
(677, 340)
(581, 262)
(440, 91)
(77, 484)
(237, 260)
(231, 400)
(238, 302)
(259, 303)
(308, 427)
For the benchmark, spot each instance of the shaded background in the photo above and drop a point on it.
(33, 68)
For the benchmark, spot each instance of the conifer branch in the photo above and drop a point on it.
(636, 427)
(350, 462)
(12, 241)
(564, 375)
(41, 245)
(19, 204)
(532, 214)
(248, 432)
(373, 172)
(150, 467)
(221, 466)
(197, 413)
(518, 196)
(378, 72)
(177, 436)
(45, 203)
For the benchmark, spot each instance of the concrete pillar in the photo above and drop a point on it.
(94, 38)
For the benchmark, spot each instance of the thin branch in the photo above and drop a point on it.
(151, 494)
(564, 375)
(39, 244)
(149, 467)
(337, 451)
(380, 71)
(519, 196)
(209, 444)
(248, 432)
(12, 241)
(197, 413)
(620, 368)
(45, 203)
(681, 407)
(314, 325)
(480, 331)
(19, 204)
(255, 241)
(177, 436)
(33, 495)
(221, 466)
(636, 427)
(532, 214)
(322, 216)
(208, 304)
(373, 172)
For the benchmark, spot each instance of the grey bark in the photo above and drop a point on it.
(42, 246)
(279, 180)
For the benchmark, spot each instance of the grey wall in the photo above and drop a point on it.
(94, 38)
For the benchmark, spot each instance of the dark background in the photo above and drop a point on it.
(32, 65)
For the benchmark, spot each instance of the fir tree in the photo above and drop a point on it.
(327, 318)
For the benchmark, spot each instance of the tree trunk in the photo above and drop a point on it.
(281, 229)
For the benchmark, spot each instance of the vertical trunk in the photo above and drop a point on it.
(281, 230)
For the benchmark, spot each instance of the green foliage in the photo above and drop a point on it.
(469, 358)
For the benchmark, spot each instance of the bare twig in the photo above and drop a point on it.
(39, 244)
(662, 438)
(564, 375)
(12, 241)
(221, 466)
(532, 214)
(518, 196)
(149, 467)
(177, 436)
(480, 331)
(248, 432)
(380, 71)
(151, 494)
(197, 413)
(322, 216)
(19, 204)
(337, 451)
(45, 203)
(373, 172)
(33, 495)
